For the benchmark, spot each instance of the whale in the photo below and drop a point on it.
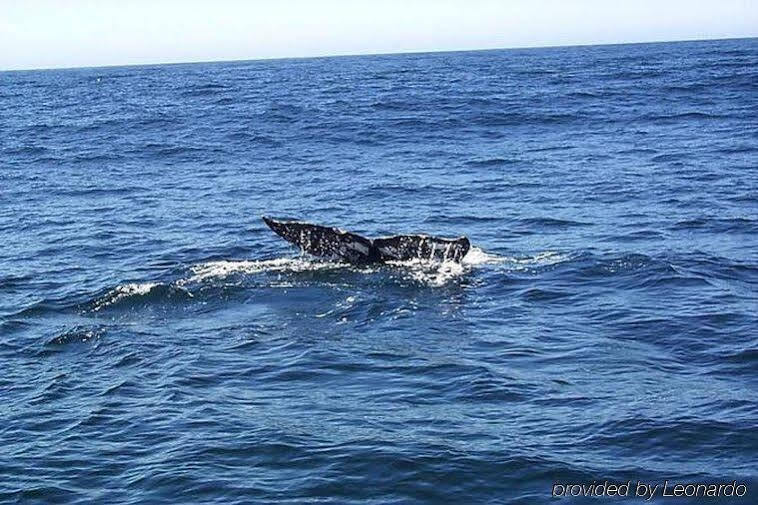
(335, 243)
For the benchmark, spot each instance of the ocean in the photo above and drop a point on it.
(159, 344)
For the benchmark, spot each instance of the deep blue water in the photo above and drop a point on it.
(158, 344)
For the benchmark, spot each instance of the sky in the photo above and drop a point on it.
(80, 33)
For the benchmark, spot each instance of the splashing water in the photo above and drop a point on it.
(477, 256)
(225, 268)
(124, 291)
(426, 271)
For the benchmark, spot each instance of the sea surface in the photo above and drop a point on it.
(158, 344)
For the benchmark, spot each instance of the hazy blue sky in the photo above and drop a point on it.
(72, 33)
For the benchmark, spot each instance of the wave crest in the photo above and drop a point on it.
(133, 292)
(225, 268)
(221, 273)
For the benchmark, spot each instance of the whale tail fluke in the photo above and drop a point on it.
(324, 241)
(336, 243)
(425, 247)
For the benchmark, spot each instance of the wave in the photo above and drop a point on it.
(460, 219)
(746, 356)
(681, 116)
(718, 225)
(640, 235)
(430, 272)
(126, 295)
(224, 268)
(551, 148)
(205, 90)
(203, 278)
(661, 158)
(542, 259)
(77, 334)
(544, 295)
(254, 139)
(491, 162)
(641, 272)
(549, 222)
(25, 150)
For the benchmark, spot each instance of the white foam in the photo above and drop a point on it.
(444, 273)
(430, 272)
(346, 304)
(476, 256)
(224, 268)
(427, 271)
(124, 291)
(541, 259)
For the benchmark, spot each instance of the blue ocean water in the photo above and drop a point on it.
(159, 344)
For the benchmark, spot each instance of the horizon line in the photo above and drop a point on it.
(348, 55)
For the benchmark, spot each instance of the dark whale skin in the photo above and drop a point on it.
(330, 242)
